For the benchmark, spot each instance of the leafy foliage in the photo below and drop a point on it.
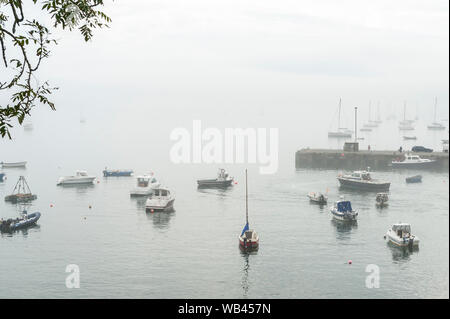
(25, 43)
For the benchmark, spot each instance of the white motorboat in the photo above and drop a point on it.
(145, 185)
(400, 235)
(362, 180)
(81, 177)
(160, 200)
(413, 161)
(342, 210)
(13, 164)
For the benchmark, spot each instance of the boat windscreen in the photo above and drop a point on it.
(344, 206)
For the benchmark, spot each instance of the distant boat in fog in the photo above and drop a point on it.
(405, 125)
(435, 125)
(340, 131)
(370, 123)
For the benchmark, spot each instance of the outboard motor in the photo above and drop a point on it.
(411, 243)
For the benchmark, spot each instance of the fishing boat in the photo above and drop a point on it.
(117, 172)
(382, 200)
(222, 180)
(362, 180)
(26, 220)
(81, 177)
(435, 125)
(400, 235)
(160, 200)
(21, 192)
(2, 177)
(414, 179)
(406, 138)
(145, 184)
(342, 210)
(13, 164)
(248, 239)
(413, 161)
(341, 132)
(317, 198)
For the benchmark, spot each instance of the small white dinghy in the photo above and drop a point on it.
(400, 235)
(160, 200)
(13, 164)
(81, 177)
(145, 185)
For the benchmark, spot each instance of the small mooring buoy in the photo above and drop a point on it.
(350, 262)
(90, 206)
(152, 211)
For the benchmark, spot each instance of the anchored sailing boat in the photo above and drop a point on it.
(435, 125)
(341, 131)
(249, 239)
(405, 125)
(370, 123)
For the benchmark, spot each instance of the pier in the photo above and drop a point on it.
(354, 160)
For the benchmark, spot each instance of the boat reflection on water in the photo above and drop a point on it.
(401, 254)
(344, 226)
(245, 271)
(161, 220)
(140, 202)
(23, 231)
(78, 188)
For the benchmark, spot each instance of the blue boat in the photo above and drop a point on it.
(343, 211)
(117, 172)
(2, 177)
(25, 221)
(414, 179)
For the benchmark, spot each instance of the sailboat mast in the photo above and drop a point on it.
(435, 108)
(246, 197)
(339, 115)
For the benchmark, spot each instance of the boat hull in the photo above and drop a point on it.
(13, 165)
(107, 173)
(339, 134)
(20, 198)
(350, 217)
(402, 242)
(248, 245)
(2, 177)
(366, 186)
(160, 208)
(414, 179)
(213, 183)
(422, 165)
(76, 181)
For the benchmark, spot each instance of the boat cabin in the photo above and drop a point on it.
(344, 206)
(222, 175)
(409, 157)
(161, 192)
(402, 230)
(143, 181)
(382, 197)
(361, 175)
(82, 173)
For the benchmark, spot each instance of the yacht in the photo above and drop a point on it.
(435, 125)
(340, 132)
(145, 185)
(413, 161)
(160, 200)
(81, 177)
(342, 210)
(362, 180)
(400, 235)
(13, 164)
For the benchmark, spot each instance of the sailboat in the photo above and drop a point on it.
(378, 120)
(435, 125)
(341, 131)
(405, 125)
(248, 239)
(370, 123)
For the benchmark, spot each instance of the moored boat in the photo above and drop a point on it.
(407, 138)
(21, 192)
(161, 200)
(13, 164)
(382, 200)
(413, 161)
(25, 221)
(414, 179)
(222, 180)
(145, 184)
(81, 177)
(400, 235)
(117, 172)
(362, 180)
(248, 239)
(342, 210)
(317, 198)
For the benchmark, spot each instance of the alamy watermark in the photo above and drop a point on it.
(73, 279)
(373, 279)
(232, 146)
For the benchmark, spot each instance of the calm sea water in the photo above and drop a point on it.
(193, 252)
